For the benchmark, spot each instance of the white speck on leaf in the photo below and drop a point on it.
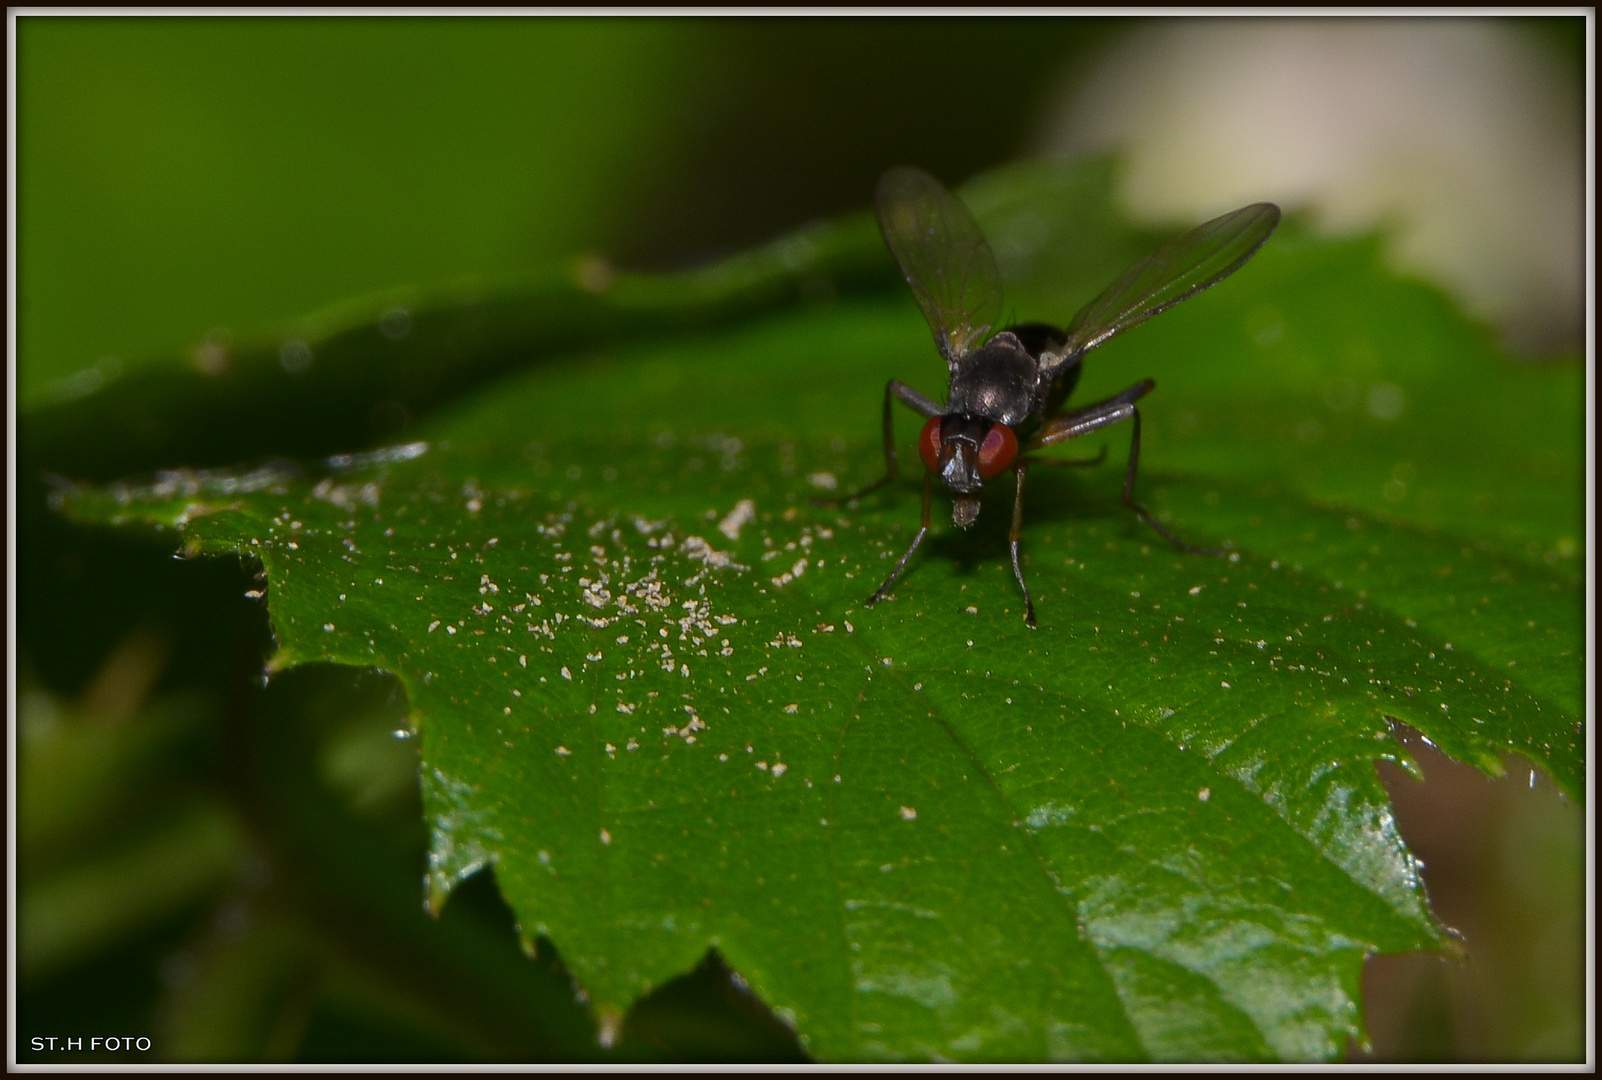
(744, 513)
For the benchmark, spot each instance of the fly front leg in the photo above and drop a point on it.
(923, 530)
(1020, 471)
(893, 390)
(1102, 414)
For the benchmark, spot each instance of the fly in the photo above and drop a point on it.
(1007, 390)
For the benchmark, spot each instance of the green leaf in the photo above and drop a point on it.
(374, 364)
(648, 692)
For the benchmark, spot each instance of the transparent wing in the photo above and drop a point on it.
(944, 258)
(1176, 271)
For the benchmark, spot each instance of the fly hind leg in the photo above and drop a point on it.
(894, 390)
(1102, 414)
(1073, 463)
(1128, 498)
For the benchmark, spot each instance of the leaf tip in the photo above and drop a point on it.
(609, 1027)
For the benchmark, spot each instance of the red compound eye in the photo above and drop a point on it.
(997, 451)
(929, 444)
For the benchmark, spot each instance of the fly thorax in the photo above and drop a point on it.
(996, 382)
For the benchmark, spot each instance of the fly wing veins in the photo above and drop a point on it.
(1174, 272)
(944, 257)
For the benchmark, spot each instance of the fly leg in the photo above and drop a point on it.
(1140, 511)
(1103, 413)
(1072, 463)
(1020, 471)
(894, 389)
(923, 530)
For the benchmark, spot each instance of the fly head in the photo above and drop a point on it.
(965, 451)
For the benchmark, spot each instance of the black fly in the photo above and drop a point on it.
(1007, 390)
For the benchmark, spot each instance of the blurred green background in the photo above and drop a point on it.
(180, 849)
(178, 176)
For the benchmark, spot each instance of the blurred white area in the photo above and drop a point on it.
(1458, 136)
